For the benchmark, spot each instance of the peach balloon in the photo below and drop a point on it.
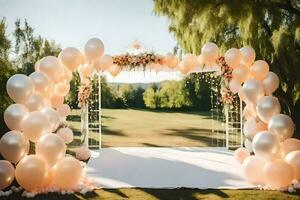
(31, 172)
(70, 57)
(167, 59)
(248, 55)
(209, 52)
(66, 134)
(190, 61)
(282, 126)
(241, 154)
(14, 146)
(248, 145)
(270, 83)
(267, 107)
(13, 116)
(249, 111)
(233, 57)
(7, 174)
(86, 70)
(56, 100)
(289, 145)
(241, 94)
(41, 82)
(93, 49)
(234, 85)
(34, 102)
(252, 168)
(278, 174)
(37, 66)
(51, 147)
(62, 88)
(19, 88)
(53, 118)
(103, 63)
(173, 63)
(34, 125)
(259, 69)
(240, 73)
(293, 158)
(114, 70)
(83, 153)
(184, 69)
(48, 179)
(68, 75)
(250, 128)
(200, 60)
(252, 90)
(51, 66)
(64, 110)
(67, 173)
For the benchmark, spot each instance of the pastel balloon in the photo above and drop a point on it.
(270, 83)
(234, 85)
(266, 145)
(7, 174)
(114, 70)
(93, 49)
(293, 158)
(70, 57)
(240, 73)
(67, 173)
(184, 69)
(56, 100)
(86, 70)
(83, 153)
(289, 145)
(13, 116)
(173, 62)
(248, 145)
(278, 174)
(248, 55)
(19, 88)
(190, 61)
(41, 82)
(68, 75)
(53, 118)
(14, 146)
(259, 69)
(34, 125)
(66, 134)
(282, 126)
(250, 128)
(249, 111)
(51, 147)
(209, 52)
(200, 60)
(241, 154)
(103, 63)
(252, 90)
(62, 88)
(37, 66)
(64, 110)
(31, 172)
(34, 102)
(253, 169)
(233, 57)
(168, 58)
(267, 107)
(50, 66)
(241, 94)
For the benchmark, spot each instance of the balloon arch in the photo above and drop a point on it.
(38, 115)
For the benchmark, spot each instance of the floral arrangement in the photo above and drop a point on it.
(84, 94)
(134, 61)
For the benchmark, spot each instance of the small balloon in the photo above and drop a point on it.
(209, 52)
(233, 57)
(253, 170)
(248, 145)
(103, 63)
(240, 73)
(56, 100)
(51, 66)
(42, 83)
(252, 90)
(70, 57)
(234, 85)
(34, 102)
(14, 146)
(86, 70)
(289, 145)
(93, 49)
(190, 61)
(259, 69)
(184, 69)
(248, 55)
(19, 88)
(282, 126)
(241, 154)
(83, 153)
(64, 110)
(249, 111)
(13, 116)
(53, 118)
(68, 75)
(114, 70)
(62, 88)
(66, 134)
(7, 174)
(293, 158)
(267, 107)
(270, 83)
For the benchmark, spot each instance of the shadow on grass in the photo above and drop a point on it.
(107, 131)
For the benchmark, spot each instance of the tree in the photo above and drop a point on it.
(271, 27)
(126, 92)
(151, 99)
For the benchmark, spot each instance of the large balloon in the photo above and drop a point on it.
(233, 57)
(267, 107)
(241, 154)
(114, 70)
(51, 147)
(93, 49)
(42, 83)
(13, 116)
(293, 158)
(52, 68)
(31, 172)
(67, 173)
(240, 73)
(62, 88)
(19, 88)
(278, 174)
(14, 146)
(70, 57)
(252, 90)
(34, 125)
(253, 169)
(34, 102)
(259, 69)
(209, 52)
(289, 145)
(103, 63)
(266, 145)
(7, 174)
(282, 126)
(248, 55)
(270, 83)
(53, 118)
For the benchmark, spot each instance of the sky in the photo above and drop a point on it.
(116, 22)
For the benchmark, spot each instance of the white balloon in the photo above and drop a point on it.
(19, 88)
(270, 83)
(267, 107)
(13, 116)
(94, 49)
(282, 126)
(252, 90)
(53, 117)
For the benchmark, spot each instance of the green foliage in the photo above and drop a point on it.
(151, 98)
(72, 97)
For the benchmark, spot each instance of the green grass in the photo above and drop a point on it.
(169, 194)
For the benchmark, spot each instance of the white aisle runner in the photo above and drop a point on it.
(196, 167)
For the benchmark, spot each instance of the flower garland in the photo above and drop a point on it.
(84, 94)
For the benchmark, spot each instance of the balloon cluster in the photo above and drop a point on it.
(36, 116)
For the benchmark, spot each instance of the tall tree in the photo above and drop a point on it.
(271, 27)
